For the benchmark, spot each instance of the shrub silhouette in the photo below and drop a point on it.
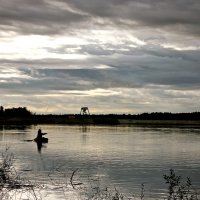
(178, 190)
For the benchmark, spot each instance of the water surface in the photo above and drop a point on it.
(121, 157)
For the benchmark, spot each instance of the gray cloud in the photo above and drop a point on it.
(53, 17)
(136, 69)
(135, 53)
(181, 15)
(37, 17)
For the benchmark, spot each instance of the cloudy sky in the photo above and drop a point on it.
(114, 56)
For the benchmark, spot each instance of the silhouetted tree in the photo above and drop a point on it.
(1, 111)
(17, 112)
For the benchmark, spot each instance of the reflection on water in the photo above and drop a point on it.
(40, 145)
(17, 127)
(123, 157)
(84, 128)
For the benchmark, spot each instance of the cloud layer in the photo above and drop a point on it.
(111, 55)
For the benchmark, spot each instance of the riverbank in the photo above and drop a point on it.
(93, 120)
(159, 122)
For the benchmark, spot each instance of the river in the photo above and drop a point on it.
(119, 157)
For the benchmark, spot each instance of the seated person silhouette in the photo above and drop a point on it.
(39, 137)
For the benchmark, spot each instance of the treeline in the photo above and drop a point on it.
(15, 112)
(142, 116)
(24, 112)
(160, 116)
(22, 115)
(116, 118)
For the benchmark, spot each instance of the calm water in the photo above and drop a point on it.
(121, 157)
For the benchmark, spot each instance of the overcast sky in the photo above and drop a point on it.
(114, 56)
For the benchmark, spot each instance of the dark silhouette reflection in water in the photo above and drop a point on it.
(40, 145)
(84, 129)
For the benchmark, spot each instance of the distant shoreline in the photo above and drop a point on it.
(161, 122)
(93, 120)
(22, 116)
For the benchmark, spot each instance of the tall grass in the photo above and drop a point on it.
(12, 186)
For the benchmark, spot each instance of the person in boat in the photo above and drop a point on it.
(39, 137)
(40, 140)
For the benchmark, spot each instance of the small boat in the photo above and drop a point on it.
(41, 140)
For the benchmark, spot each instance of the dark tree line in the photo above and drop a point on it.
(168, 116)
(153, 116)
(14, 112)
(24, 112)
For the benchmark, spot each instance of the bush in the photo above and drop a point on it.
(178, 190)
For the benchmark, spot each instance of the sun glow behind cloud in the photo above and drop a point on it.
(36, 47)
(95, 92)
(115, 37)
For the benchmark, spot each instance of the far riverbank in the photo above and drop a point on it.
(93, 120)
(23, 116)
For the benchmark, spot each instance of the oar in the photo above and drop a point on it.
(28, 140)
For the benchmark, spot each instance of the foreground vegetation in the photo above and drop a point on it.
(22, 115)
(12, 186)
